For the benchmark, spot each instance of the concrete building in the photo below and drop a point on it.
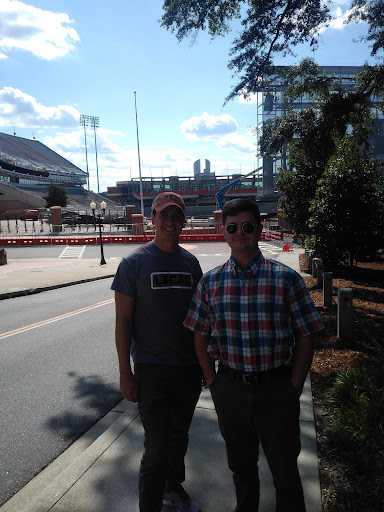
(205, 173)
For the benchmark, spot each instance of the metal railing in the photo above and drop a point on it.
(44, 227)
(81, 222)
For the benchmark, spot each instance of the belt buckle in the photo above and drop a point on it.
(249, 379)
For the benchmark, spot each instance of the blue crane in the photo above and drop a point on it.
(220, 194)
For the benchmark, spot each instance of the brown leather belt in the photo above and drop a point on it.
(279, 373)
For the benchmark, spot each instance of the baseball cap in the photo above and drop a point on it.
(168, 199)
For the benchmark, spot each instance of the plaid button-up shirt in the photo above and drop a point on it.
(252, 318)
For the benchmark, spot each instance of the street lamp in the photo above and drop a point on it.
(103, 206)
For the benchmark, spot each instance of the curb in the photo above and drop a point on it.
(32, 291)
(46, 497)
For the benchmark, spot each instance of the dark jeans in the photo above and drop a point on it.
(167, 397)
(266, 413)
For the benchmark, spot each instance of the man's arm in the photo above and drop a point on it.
(302, 360)
(123, 336)
(206, 363)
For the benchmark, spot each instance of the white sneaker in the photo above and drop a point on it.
(179, 499)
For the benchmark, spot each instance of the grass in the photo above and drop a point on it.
(355, 438)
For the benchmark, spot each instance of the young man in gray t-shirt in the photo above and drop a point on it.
(153, 288)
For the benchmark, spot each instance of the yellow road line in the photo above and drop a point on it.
(55, 319)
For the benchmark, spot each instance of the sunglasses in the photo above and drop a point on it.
(246, 227)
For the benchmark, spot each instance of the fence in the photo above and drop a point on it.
(43, 232)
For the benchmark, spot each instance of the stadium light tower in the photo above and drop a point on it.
(84, 122)
(95, 124)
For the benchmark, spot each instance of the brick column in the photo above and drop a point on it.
(137, 224)
(56, 218)
(217, 221)
(129, 211)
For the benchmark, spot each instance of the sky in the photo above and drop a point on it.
(60, 59)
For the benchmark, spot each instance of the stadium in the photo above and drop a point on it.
(28, 167)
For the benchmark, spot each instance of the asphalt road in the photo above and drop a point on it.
(57, 379)
(58, 365)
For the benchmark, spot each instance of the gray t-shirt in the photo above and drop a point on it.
(162, 285)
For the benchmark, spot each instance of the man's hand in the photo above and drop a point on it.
(128, 387)
(123, 335)
(298, 387)
(206, 363)
(302, 359)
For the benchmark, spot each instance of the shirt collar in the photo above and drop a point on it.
(253, 265)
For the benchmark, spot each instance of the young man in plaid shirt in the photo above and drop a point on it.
(256, 317)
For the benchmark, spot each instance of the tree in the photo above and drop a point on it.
(276, 27)
(269, 28)
(370, 12)
(347, 211)
(57, 196)
(312, 134)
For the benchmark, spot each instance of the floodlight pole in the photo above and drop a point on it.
(84, 122)
(95, 124)
(138, 152)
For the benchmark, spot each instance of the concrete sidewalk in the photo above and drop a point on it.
(99, 472)
(25, 276)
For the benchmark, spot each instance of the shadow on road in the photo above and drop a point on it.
(97, 399)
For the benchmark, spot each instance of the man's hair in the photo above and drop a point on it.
(235, 206)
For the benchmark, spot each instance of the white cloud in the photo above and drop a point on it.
(46, 34)
(339, 19)
(208, 127)
(238, 143)
(22, 110)
(340, 11)
(221, 130)
(252, 98)
(337, 6)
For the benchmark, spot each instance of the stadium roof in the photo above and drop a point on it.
(32, 154)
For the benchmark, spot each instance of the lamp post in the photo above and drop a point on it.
(103, 206)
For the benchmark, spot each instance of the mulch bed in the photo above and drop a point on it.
(332, 355)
